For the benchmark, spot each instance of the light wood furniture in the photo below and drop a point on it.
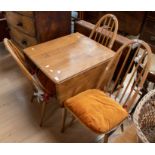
(107, 22)
(18, 117)
(86, 28)
(125, 93)
(127, 19)
(73, 63)
(40, 91)
(149, 80)
(144, 21)
(28, 28)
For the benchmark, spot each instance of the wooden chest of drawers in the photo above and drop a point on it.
(148, 31)
(28, 28)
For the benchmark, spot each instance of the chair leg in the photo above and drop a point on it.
(106, 138)
(122, 127)
(42, 112)
(64, 115)
(99, 138)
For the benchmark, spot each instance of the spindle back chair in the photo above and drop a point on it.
(109, 104)
(119, 88)
(105, 30)
(20, 60)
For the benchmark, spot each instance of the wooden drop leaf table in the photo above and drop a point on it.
(73, 63)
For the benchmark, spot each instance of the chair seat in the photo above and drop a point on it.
(96, 110)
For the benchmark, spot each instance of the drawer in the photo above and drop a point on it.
(26, 13)
(151, 14)
(148, 37)
(23, 23)
(22, 39)
(149, 26)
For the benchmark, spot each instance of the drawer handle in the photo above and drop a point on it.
(152, 38)
(24, 42)
(20, 24)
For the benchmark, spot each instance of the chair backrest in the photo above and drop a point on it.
(105, 30)
(20, 59)
(125, 89)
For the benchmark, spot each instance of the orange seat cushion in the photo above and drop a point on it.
(96, 110)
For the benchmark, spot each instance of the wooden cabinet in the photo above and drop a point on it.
(28, 28)
(148, 30)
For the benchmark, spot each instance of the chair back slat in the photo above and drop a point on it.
(126, 84)
(127, 71)
(132, 76)
(121, 69)
(108, 22)
(107, 41)
(101, 31)
(134, 85)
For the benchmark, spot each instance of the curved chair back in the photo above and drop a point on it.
(105, 30)
(20, 59)
(125, 89)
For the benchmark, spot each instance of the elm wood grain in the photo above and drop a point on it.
(85, 28)
(18, 117)
(109, 23)
(23, 23)
(82, 82)
(117, 90)
(69, 57)
(37, 85)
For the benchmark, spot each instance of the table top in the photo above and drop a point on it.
(65, 57)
